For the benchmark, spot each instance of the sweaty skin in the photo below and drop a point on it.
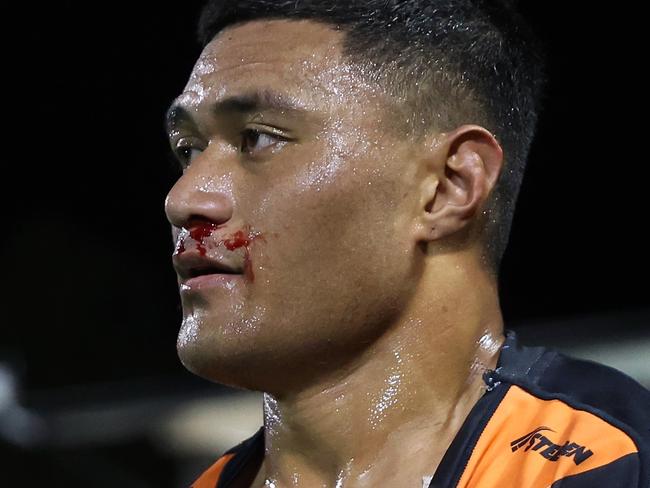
(371, 316)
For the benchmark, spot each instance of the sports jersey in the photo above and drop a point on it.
(546, 420)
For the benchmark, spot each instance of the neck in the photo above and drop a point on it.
(400, 404)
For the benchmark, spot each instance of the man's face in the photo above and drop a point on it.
(315, 207)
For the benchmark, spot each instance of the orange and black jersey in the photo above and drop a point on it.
(546, 421)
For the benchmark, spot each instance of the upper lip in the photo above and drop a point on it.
(190, 264)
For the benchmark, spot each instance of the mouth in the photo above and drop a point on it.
(193, 266)
(209, 270)
(207, 278)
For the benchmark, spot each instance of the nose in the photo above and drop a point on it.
(191, 200)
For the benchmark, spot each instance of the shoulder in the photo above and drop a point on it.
(583, 384)
(611, 393)
(573, 419)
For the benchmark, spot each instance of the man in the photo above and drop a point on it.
(349, 174)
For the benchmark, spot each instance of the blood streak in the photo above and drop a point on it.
(200, 232)
(238, 240)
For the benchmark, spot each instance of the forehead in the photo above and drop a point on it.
(301, 59)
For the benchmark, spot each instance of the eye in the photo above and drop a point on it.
(185, 151)
(254, 140)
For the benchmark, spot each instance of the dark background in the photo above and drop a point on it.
(90, 309)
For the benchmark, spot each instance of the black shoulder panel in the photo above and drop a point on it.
(622, 473)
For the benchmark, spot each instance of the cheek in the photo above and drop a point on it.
(298, 195)
(332, 222)
(305, 231)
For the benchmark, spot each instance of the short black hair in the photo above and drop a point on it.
(454, 62)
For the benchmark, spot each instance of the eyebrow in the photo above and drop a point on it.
(253, 101)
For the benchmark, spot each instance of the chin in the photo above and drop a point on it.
(236, 363)
(215, 368)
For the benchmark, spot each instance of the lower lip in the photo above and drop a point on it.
(210, 281)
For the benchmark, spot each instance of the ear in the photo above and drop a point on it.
(462, 168)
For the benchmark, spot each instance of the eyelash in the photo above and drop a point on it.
(260, 133)
(182, 153)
